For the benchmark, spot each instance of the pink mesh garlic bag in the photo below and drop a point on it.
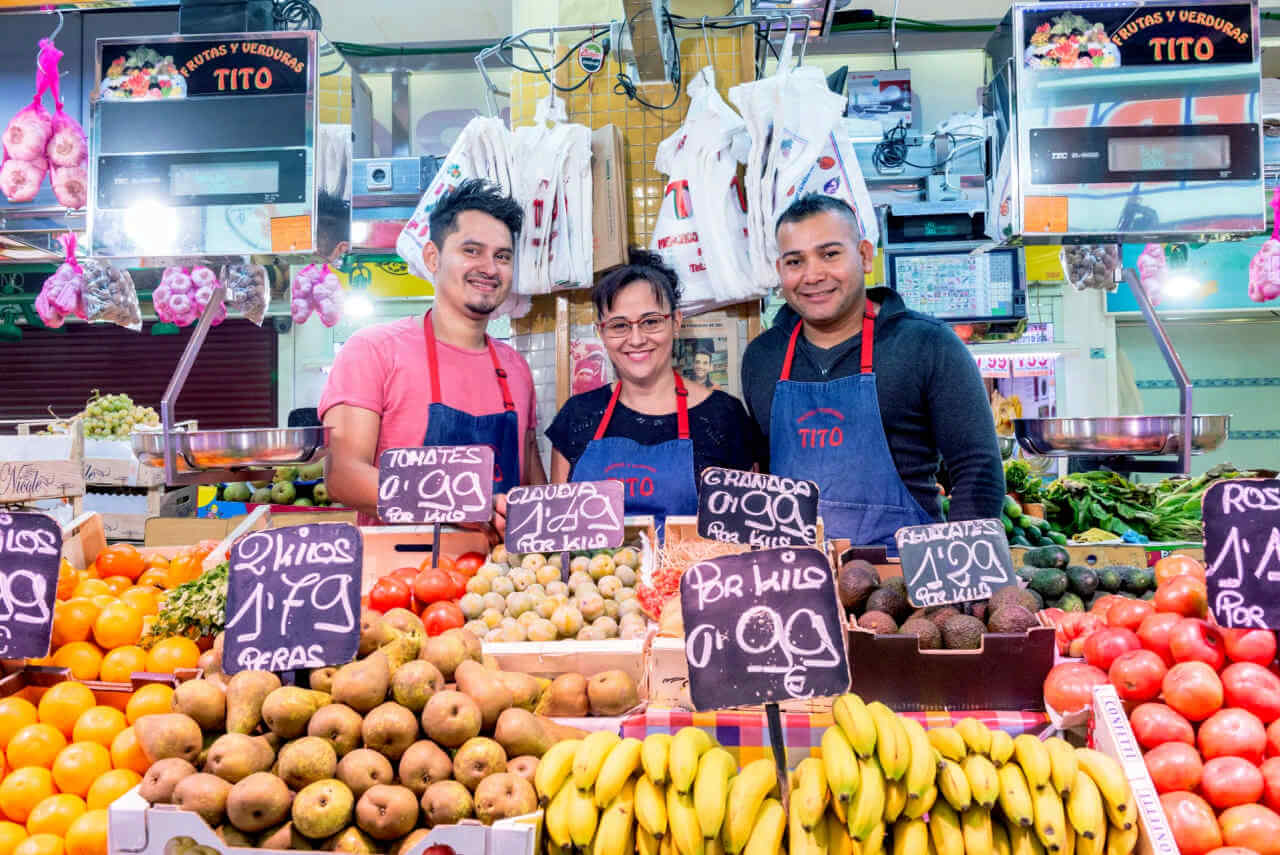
(1264, 268)
(316, 289)
(1153, 269)
(62, 294)
(67, 151)
(184, 293)
(26, 137)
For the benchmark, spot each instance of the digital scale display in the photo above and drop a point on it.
(958, 285)
(1138, 154)
(224, 179)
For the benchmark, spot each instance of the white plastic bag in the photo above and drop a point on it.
(1090, 267)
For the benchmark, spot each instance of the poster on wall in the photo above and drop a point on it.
(708, 352)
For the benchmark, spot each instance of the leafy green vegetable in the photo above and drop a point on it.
(195, 609)
(1018, 478)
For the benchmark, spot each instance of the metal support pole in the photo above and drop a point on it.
(179, 379)
(1173, 361)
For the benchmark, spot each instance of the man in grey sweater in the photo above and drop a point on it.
(863, 396)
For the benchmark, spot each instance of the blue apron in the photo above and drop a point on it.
(658, 479)
(831, 433)
(499, 431)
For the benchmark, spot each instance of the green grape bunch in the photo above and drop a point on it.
(115, 416)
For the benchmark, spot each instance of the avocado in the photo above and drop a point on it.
(1048, 556)
(856, 581)
(1039, 600)
(1110, 579)
(1026, 573)
(878, 622)
(928, 634)
(1069, 602)
(942, 615)
(889, 600)
(1032, 534)
(1013, 595)
(1011, 619)
(1139, 580)
(962, 632)
(1049, 583)
(1082, 580)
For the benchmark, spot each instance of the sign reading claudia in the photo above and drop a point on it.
(154, 70)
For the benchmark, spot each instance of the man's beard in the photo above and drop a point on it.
(481, 308)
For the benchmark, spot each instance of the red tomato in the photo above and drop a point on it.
(1233, 733)
(1137, 675)
(1156, 724)
(389, 593)
(1154, 634)
(1270, 769)
(1069, 686)
(1250, 645)
(1252, 826)
(469, 562)
(1172, 566)
(405, 574)
(433, 586)
(1273, 739)
(1183, 595)
(442, 616)
(1197, 640)
(1193, 690)
(1174, 766)
(1102, 605)
(1253, 688)
(1232, 850)
(459, 584)
(1105, 646)
(1129, 614)
(1230, 781)
(1194, 827)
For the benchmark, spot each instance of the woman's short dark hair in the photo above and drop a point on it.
(642, 266)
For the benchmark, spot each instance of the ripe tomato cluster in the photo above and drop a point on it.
(430, 592)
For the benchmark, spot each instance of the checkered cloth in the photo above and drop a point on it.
(745, 734)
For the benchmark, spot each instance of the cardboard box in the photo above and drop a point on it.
(1094, 554)
(391, 546)
(36, 467)
(168, 531)
(1156, 551)
(609, 231)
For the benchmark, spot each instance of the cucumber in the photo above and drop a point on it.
(1016, 539)
(1012, 509)
(1008, 525)
(1054, 557)
(1058, 537)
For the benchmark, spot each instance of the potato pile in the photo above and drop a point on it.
(417, 732)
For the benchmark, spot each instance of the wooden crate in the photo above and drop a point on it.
(35, 467)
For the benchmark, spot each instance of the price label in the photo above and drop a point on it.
(954, 562)
(763, 511)
(293, 598)
(30, 556)
(565, 517)
(436, 484)
(761, 627)
(1242, 550)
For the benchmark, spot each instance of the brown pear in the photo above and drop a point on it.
(422, 764)
(389, 729)
(451, 718)
(362, 685)
(374, 632)
(484, 687)
(305, 761)
(351, 840)
(204, 701)
(203, 794)
(210, 663)
(446, 652)
(521, 732)
(323, 808)
(321, 679)
(612, 693)
(283, 837)
(446, 803)
(477, 759)
(288, 709)
(503, 796)
(162, 777)
(339, 724)
(259, 802)
(205, 744)
(387, 812)
(234, 757)
(245, 693)
(169, 735)
(469, 641)
(525, 690)
(404, 620)
(363, 768)
(567, 697)
(413, 684)
(409, 841)
(525, 766)
(404, 648)
(233, 836)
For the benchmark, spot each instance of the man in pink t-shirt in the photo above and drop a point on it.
(439, 380)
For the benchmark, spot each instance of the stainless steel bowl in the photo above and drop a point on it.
(1007, 445)
(236, 447)
(1122, 435)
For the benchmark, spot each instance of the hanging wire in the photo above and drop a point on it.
(544, 70)
(54, 35)
(626, 86)
(296, 15)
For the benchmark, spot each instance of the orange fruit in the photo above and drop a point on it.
(55, 814)
(22, 790)
(119, 664)
(40, 844)
(91, 588)
(82, 657)
(88, 834)
(169, 654)
(126, 753)
(35, 745)
(64, 703)
(111, 786)
(103, 600)
(183, 568)
(11, 834)
(150, 699)
(121, 559)
(100, 724)
(157, 577)
(154, 559)
(117, 625)
(67, 581)
(118, 584)
(73, 621)
(15, 714)
(144, 598)
(78, 765)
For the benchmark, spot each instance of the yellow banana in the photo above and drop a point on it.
(895, 800)
(682, 820)
(976, 735)
(976, 826)
(617, 769)
(838, 840)
(630, 841)
(1051, 820)
(1001, 747)
(1000, 835)
(1092, 846)
(984, 781)
(1069, 841)
(804, 841)
(712, 846)
(922, 767)
(646, 843)
(583, 817)
(1023, 841)
(1122, 841)
(954, 785)
(590, 756)
(1062, 757)
(615, 828)
(687, 748)
(765, 837)
(557, 818)
(1085, 810)
(711, 789)
(810, 796)
(874, 844)
(945, 830)
(910, 837)
(919, 807)
(840, 764)
(1107, 774)
(746, 792)
(841, 811)
(554, 768)
(867, 809)
(892, 748)
(554, 848)
(948, 742)
(856, 723)
(653, 756)
(651, 807)
(667, 846)
(1033, 757)
(1015, 796)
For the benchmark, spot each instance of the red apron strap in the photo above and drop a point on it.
(868, 337)
(608, 411)
(433, 367)
(791, 352)
(507, 403)
(682, 410)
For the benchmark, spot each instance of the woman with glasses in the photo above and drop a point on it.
(648, 430)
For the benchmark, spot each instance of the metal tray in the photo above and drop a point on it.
(235, 447)
(1007, 445)
(1122, 435)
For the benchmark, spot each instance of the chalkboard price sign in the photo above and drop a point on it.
(1242, 550)
(30, 557)
(954, 562)
(293, 598)
(758, 510)
(565, 517)
(762, 627)
(436, 484)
